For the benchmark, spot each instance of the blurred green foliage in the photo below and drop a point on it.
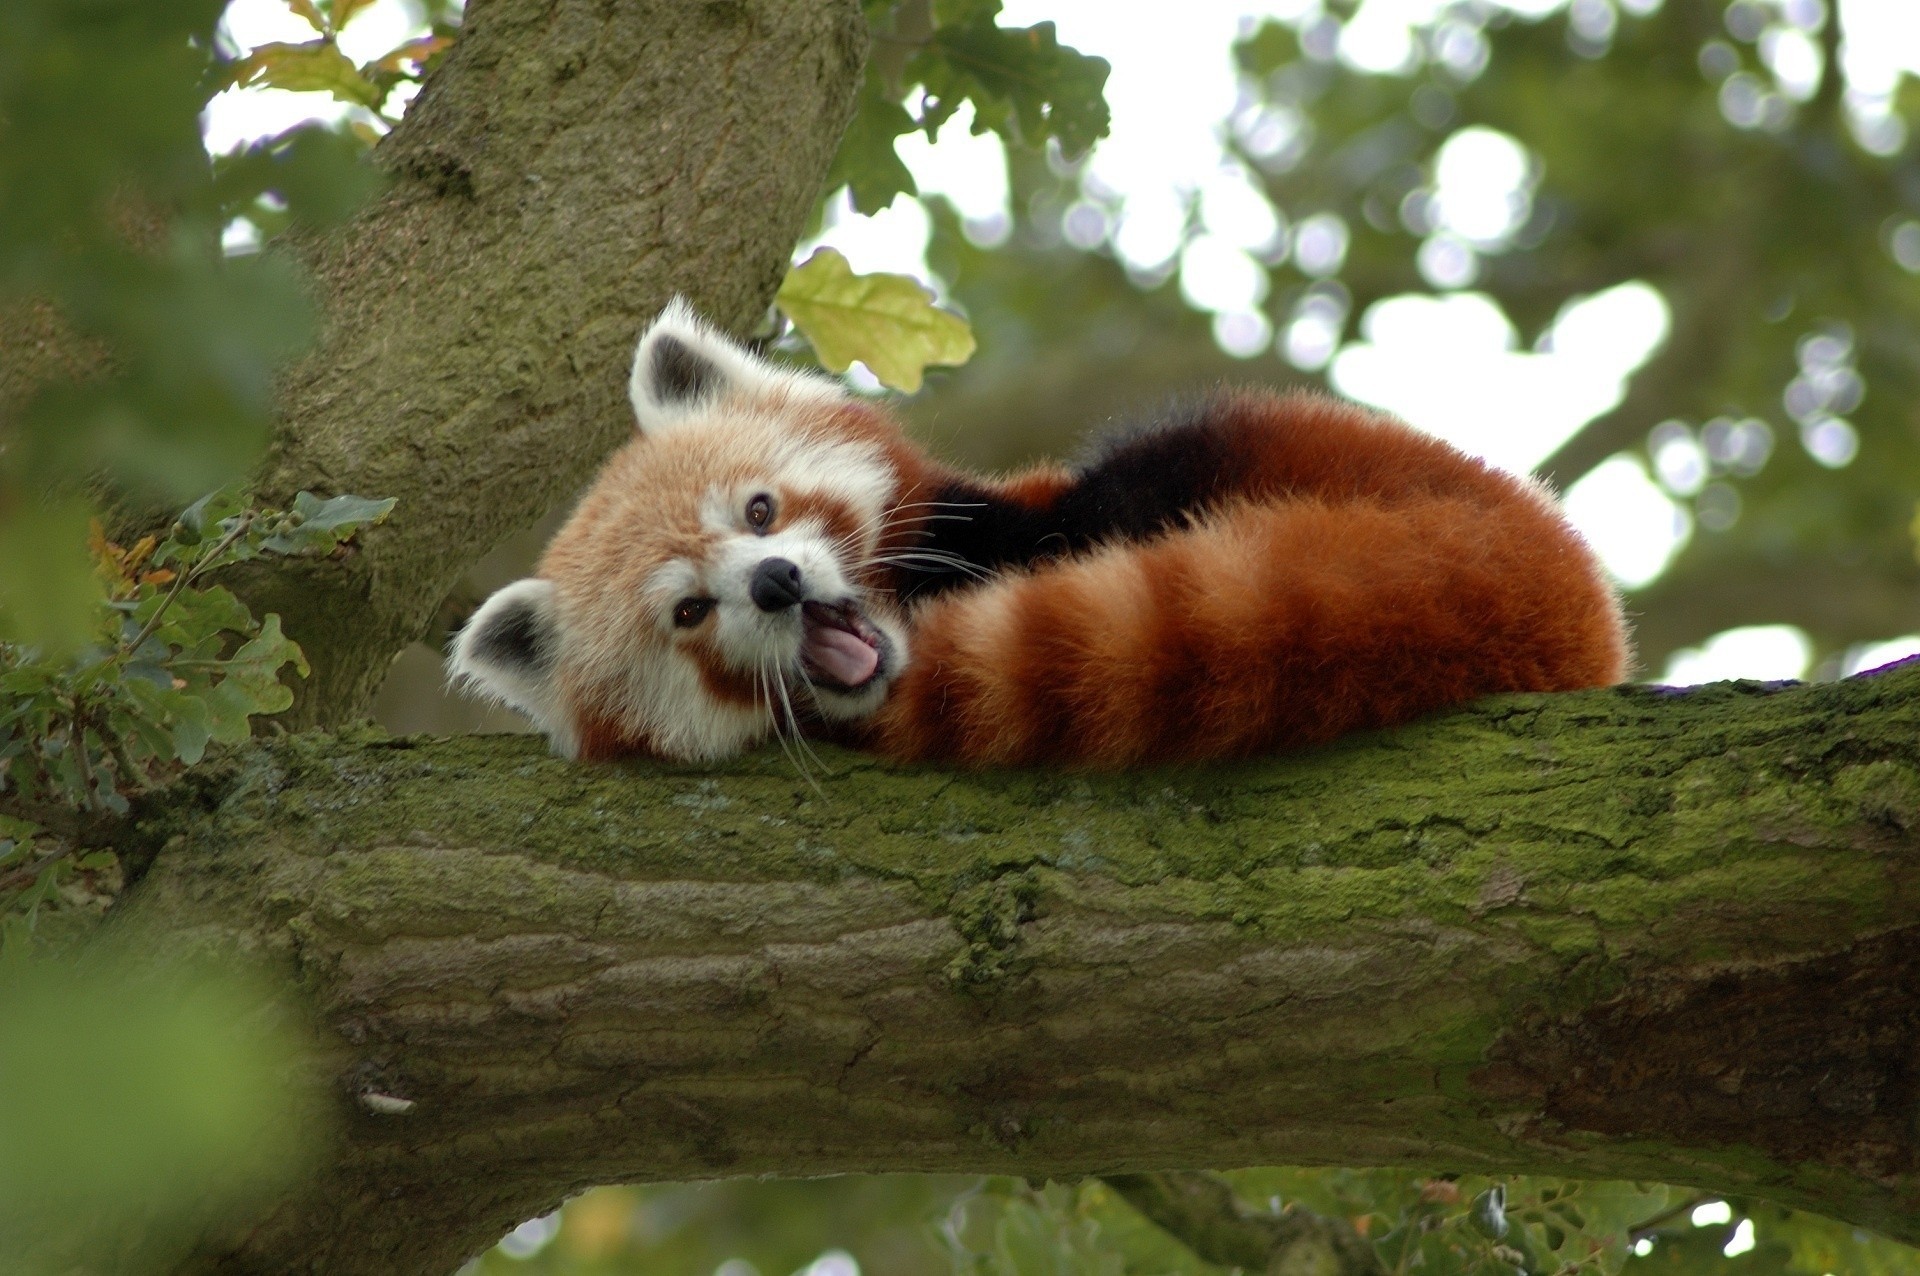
(140, 357)
(917, 1226)
(881, 1221)
(147, 1100)
(1667, 149)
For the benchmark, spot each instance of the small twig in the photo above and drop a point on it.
(77, 741)
(66, 821)
(205, 564)
(20, 878)
(130, 771)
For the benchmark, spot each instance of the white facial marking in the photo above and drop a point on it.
(846, 470)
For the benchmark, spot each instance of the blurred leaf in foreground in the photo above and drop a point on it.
(136, 357)
(144, 1101)
(48, 596)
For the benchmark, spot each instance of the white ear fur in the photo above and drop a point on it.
(510, 651)
(683, 365)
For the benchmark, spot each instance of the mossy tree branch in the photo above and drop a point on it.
(1626, 933)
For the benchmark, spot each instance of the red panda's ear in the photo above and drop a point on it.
(683, 366)
(510, 651)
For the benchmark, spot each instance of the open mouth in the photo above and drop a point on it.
(839, 650)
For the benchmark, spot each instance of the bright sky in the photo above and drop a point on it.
(1450, 361)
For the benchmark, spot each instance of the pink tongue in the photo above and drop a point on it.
(841, 656)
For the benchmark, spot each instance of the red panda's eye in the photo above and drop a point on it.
(760, 511)
(689, 612)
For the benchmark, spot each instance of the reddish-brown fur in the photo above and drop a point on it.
(1360, 574)
(1347, 572)
(770, 554)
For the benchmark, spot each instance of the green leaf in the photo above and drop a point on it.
(316, 66)
(316, 526)
(192, 728)
(44, 889)
(866, 162)
(144, 734)
(228, 706)
(1489, 1213)
(1272, 45)
(342, 513)
(320, 175)
(145, 1099)
(256, 666)
(948, 13)
(416, 52)
(194, 614)
(206, 514)
(176, 725)
(1014, 76)
(888, 322)
(305, 9)
(344, 11)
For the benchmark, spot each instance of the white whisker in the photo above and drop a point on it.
(763, 675)
(800, 741)
(924, 559)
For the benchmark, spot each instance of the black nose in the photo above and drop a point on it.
(776, 585)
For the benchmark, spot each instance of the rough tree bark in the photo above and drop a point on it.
(572, 166)
(1624, 933)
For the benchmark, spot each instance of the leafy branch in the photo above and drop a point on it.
(319, 65)
(174, 665)
(1022, 83)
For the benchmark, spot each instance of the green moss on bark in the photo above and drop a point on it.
(1540, 933)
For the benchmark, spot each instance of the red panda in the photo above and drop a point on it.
(770, 554)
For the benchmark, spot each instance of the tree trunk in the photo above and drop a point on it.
(571, 167)
(1616, 934)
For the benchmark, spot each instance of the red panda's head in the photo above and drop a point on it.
(719, 577)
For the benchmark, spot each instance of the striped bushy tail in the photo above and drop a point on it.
(1359, 574)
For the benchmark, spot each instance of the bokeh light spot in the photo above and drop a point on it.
(1770, 653)
(1633, 526)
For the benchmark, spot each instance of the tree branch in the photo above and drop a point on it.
(1616, 934)
(571, 167)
